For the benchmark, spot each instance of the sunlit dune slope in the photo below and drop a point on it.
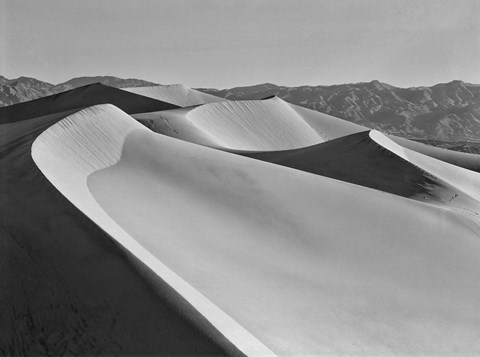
(73, 142)
(466, 181)
(270, 124)
(267, 125)
(462, 159)
(177, 94)
(305, 263)
(67, 288)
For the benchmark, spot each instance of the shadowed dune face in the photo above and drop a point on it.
(356, 159)
(458, 178)
(270, 246)
(176, 94)
(255, 125)
(80, 98)
(67, 288)
(359, 159)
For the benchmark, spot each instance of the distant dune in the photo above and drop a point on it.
(270, 124)
(176, 94)
(80, 98)
(444, 111)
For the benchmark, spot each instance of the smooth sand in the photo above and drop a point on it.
(249, 125)
(372, 160)
(68, 152)
(67, 287)
(306, 264)
(177, 94)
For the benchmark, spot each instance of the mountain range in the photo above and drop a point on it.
(448, 112)
(445, 111)
(23, 89)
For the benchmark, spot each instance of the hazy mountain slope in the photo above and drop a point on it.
(22, 89)
(106, 80)
(446, 111)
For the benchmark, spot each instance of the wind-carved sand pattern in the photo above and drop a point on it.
(280, 260)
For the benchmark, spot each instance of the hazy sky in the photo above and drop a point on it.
(226, 43)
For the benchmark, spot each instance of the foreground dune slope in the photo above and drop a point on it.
(177, 94)
(304, 263)
(269, 124)
(78, 137)
(66, 287)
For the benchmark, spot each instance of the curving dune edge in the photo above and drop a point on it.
(264, 251)
(88, 141)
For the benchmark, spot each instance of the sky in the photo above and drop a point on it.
(229, 43)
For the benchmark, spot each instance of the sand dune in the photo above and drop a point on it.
(372, 160)
(271, 125)
(251, 125)
(80, 98)
(177, 94)
(459, 177)
(304, 264)
(462, 159)
(67, 288)
(74, 144)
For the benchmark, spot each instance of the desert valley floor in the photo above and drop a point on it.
(165, 221)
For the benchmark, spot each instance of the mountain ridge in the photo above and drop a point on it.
(442, 112)
(22, 89)
(445, 111)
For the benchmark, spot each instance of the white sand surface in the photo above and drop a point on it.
(250, 125)
(466, 160)
(464, 181)
(256, 125)
(88, 141)
(306, 264)
(177, 94)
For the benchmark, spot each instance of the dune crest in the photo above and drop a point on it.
(359, 159)
(177, 94)
(91, 140)
(464, 180)
(249, 125)
(462, 159)
(271, 246)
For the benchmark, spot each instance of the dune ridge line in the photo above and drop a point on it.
(67, 152)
